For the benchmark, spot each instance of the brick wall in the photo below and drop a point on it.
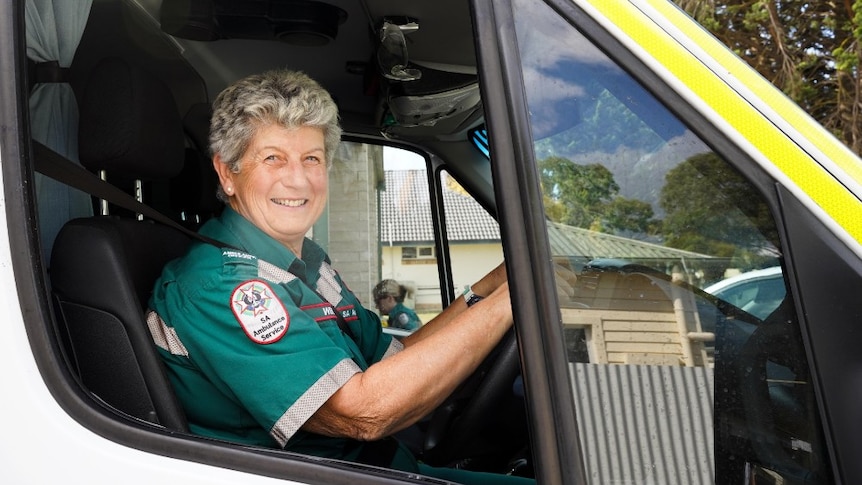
(353, 216)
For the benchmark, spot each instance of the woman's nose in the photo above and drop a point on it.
(293, 173)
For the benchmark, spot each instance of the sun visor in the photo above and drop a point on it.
(436, 97)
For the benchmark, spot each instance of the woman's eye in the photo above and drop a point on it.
(272, 160)
(278, 160)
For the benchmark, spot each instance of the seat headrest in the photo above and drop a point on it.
(197, 125)
(130, 125)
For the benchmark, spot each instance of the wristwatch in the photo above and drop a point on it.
(471, 298)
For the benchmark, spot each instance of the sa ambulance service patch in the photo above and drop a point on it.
(260, 314)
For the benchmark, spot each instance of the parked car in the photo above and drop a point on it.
(758, 292)
(508, 102)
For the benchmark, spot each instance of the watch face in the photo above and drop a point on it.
(473, 299)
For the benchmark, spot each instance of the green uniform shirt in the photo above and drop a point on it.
(402, 317)
(252, 341)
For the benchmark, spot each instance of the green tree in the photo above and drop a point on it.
(628, 215)
(577, 193)
(709, 209)
(587, 196)
(809, 49)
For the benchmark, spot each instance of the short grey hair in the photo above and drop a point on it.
(283, 97)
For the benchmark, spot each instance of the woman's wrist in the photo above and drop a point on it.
(470, 297)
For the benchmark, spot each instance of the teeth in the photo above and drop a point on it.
(290, 202)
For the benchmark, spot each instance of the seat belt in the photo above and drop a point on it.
(56, 166)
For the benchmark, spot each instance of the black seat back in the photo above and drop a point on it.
(102, 271)
(103, 268)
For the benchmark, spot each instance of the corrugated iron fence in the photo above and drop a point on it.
(646, 424)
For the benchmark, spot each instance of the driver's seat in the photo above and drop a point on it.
(103, 268)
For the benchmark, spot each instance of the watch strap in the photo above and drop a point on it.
(471, 298)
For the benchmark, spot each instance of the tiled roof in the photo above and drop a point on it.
(406, 219)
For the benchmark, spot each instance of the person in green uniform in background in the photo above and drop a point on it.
(263, 341)
(389, 298)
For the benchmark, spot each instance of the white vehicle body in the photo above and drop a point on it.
(592, 355)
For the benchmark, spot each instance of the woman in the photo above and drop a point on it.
(263, 342)
(389, 298)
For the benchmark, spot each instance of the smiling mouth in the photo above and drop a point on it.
(290, 202)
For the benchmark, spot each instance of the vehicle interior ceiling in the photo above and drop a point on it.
(199, 47)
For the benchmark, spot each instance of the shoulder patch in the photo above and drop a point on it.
(259, 312)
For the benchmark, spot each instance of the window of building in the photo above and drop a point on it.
(417, 253)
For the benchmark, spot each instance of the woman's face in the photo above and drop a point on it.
(283, 183)
(385, 304)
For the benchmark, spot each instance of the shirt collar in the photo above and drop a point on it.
(240, 232)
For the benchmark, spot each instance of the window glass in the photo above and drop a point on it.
(473, 235)
(407, 252)
(658, 242)
(400, 241)
(424, 253)
(405, 232)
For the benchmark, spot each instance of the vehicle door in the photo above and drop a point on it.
(630, 177)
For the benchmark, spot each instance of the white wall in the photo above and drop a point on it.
(469, 263)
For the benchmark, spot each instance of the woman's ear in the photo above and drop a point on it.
(225, 176)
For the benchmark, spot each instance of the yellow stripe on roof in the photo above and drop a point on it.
(824, 189)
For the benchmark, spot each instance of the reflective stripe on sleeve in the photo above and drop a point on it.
(311, 400)
(327, 284)
(395, 346)
(273, 273)
(164, 336)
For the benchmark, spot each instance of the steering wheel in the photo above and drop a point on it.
(456, 423)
